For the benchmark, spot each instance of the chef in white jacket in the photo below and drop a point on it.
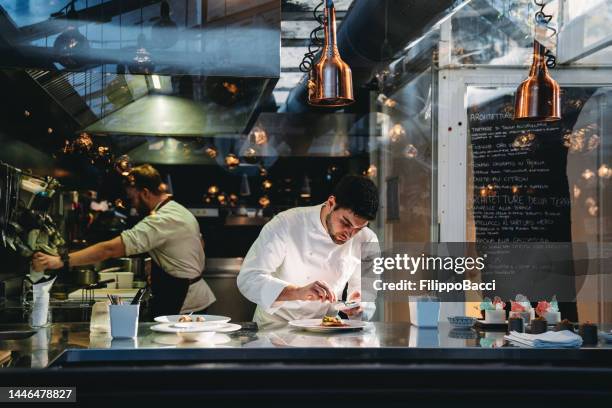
(304, 257)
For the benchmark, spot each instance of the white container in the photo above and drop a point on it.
(125, 280)
(124, 321)
(424, 311)
(107, 276)
(100, 318)
(552, 317)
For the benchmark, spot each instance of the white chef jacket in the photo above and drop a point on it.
(171, 235)
(294, 248)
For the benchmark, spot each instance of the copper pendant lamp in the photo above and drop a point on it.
(331, 82)
(538, 98)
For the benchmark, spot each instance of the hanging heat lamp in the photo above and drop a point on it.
(538, 98)
(142, 63)
(165, 31)
(330, 82)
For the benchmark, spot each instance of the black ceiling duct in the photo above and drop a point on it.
(371, 32)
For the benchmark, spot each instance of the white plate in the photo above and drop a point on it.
(207, 318)
(196, 328)
(314, 325)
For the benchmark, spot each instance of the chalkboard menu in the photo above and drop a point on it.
(520, 186)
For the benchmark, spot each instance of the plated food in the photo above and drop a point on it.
(188, 319)
(316, 325)
(329, 321)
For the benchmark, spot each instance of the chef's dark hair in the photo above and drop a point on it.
(358, 194)
(145, 176)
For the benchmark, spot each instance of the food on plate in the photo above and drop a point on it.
(329, 321)
(185, 319)
(200, 319)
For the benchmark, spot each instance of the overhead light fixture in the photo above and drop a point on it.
(156, 81)
(538, 98)
(165, 32)
(142, 63)
(330, 82)
(71, 48)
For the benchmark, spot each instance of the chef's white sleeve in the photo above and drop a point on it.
(360, 280)
(256, 280)
(149, 233)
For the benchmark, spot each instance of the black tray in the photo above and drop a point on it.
(480, 324)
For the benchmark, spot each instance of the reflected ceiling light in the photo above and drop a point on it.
(577, 191)
(123, 165)
(266, 184)
(260, 137)
(156, 81)
(232, 161)
(211, 152)
(588, 174)
(263, 172)
(604, 171)
(330, 82)
(410, 151)
(165, 32)
(305, 190)
(250, 155)
(371, 171)
(71, 48)
(49, 130)
(213, 190)
(26, 113)
(264, 201)
(397, 133)
(221, 198)
(538, 98)
(233, 198)
(245, 188)
(141, 64)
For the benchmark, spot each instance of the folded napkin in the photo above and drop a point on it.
(550, 339)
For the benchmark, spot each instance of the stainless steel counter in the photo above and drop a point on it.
(67, 344)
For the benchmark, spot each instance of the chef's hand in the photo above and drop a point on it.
(355, 311)
(318, 290)
(42, 262)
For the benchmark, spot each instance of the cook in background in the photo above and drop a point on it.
(171, 236)
(304, 257)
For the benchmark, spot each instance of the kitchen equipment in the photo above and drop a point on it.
(314, 325)
(122, 279)
(424, 311)
(461, 322)
(85, 276)
(137, 265)
(220, 274)
(138, 296)
(124, 320)
(100, 294)
(207, 318)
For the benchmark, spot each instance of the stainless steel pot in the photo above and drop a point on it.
(85, 277)
(136, 265)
